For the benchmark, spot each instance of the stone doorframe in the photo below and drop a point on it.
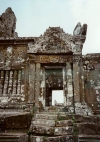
(40, 94)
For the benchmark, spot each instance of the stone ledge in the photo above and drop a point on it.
(87, 138)
(13, 137)
(63, 138)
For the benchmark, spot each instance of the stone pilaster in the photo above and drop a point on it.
(37, 85)
(42, 88)
(77, 60)
(31, 83)
(76, 80)
(26, 81)
(69, 85)
(64, 86)
(82, 93)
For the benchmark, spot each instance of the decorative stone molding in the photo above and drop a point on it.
(53, 41)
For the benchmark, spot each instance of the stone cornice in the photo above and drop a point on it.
(20, 40)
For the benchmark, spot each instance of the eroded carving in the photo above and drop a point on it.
(7, 23)
(54, 40)
(80, 30)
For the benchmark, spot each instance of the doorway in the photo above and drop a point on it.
(54, 81)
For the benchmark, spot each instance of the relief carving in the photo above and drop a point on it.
(54, 40)
(11, 57)
(51, 59)
(7, 23)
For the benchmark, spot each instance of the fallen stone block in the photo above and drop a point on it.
(43, 122)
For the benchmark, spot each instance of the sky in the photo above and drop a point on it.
(58, 96)
(35, 16)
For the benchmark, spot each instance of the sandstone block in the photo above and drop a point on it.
(45, 116)
(44, 122)
(42, 130)
(64, 123)
(63, 130)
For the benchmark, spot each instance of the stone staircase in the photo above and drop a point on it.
(49, 126)
(55, 125)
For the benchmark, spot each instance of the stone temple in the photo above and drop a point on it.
(30, 69)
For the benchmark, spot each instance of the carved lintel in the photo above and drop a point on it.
(50, 58)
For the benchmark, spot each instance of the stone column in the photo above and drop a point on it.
(64, 86)
(31, 83)
(23, 83)
(10, 87)
(2, 82)
(77, 70)
(15, 83)
(69, 85)
(19, 83)
(42, 88)
(76, 77)
(37, 85)
(5, 83)
(82, 93)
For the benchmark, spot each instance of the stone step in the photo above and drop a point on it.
(41, 130)
(63, 130)
(8, 139)
(13, 137)
(64, 138)
(46, 130)
(75, 117)
(52, 123)
(88, 138)
(46, 116)
(64, 123)
(55, 113)
(55, 109)
(43, 122)
(53, 116)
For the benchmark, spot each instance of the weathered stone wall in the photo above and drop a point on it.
(91, 64)
(14, 70)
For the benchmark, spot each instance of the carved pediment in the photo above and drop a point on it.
(54, 40)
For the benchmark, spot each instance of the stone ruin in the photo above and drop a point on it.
(30, 69)
(7, 24)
